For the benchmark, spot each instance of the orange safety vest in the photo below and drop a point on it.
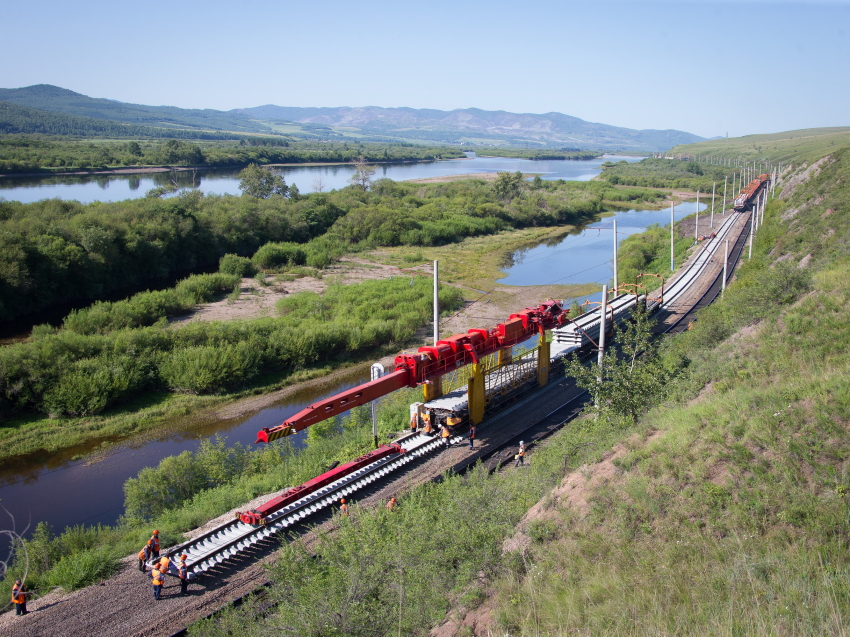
(154, 543)
(163, 564)
(183, 570)
(344, 509)
(391, 504)
(521, 451)
(156, 576)
(144, 554)
(446, 433)
(471, 433)
(18, 595)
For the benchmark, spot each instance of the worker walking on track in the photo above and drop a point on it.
(19, 597)
(157, 579)
(445, 434)
(520, 456)
(343, 507)
(471, 435)
(183, 574)
(426, 419)
(392, 504)
(154, 544)
(144, 556)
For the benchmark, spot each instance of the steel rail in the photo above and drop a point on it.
(231, 538)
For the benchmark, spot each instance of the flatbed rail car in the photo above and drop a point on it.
(744, 201)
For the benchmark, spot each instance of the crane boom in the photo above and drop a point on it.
(428, 364)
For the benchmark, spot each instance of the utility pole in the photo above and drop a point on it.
(713, 188)
(375, 372)
(752, 221)
(725, 267)
(725, 182)
(615, 256)
(604, 309)
(672, 266)
(602, 326)
(696, 222)
(436, 302)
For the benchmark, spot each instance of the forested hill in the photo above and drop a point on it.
(459, 124)
(27, 120)
(472, 126)
(59, 100)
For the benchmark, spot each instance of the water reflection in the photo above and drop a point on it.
(224, 181)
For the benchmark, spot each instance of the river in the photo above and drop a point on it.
(89, 188)
(64, 491)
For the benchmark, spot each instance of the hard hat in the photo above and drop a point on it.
(342, 501)
(184, 556)
(156, 532)
(521, 442)
(150, 542)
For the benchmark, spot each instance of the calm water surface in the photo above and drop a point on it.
(586, 256)
(119, 187)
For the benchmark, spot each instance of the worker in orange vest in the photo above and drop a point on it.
(158, 579)
(426, 418)
(163, 565)
(445, 434)
(471, 435)
(183, 574)
(154, 542)
(520, 456)
(343, 507)
(144, 556)
(19, 598)
(392, 503)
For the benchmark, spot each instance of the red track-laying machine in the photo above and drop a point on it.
(428, 364)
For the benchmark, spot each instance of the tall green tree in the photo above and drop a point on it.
(363, 172)
(632, 375)
(256, 181)
(508, 186)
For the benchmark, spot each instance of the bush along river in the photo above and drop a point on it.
(65, 491)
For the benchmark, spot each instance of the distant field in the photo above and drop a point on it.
(808, 144)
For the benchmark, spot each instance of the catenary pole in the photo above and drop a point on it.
(436, 302)
(375, 372)
(672, 266)
(615, 256)
(696, 222)
(725, 182)
(713, 188)
(725, 267)
(602, 326)
(752, 221)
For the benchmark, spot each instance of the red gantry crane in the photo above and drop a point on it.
(429, 364)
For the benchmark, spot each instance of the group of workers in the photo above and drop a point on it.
(432, 424)
(392, 503)
(150, 551)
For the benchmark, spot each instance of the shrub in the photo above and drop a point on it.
(276, 255)
(209, 369)
(234, 264)
(92, 385)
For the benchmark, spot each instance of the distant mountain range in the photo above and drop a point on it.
(474, 124)
(470, 126)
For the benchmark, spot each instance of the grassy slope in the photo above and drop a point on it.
(733, 519)
(808, 144)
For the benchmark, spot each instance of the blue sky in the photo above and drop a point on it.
(702, 67)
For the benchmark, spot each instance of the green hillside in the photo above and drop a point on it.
(59, 100)
(807, 144)
(16, 119)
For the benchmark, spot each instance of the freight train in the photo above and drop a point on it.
(744, 201)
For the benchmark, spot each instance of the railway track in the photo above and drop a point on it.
(230, 539)
(217, 546)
